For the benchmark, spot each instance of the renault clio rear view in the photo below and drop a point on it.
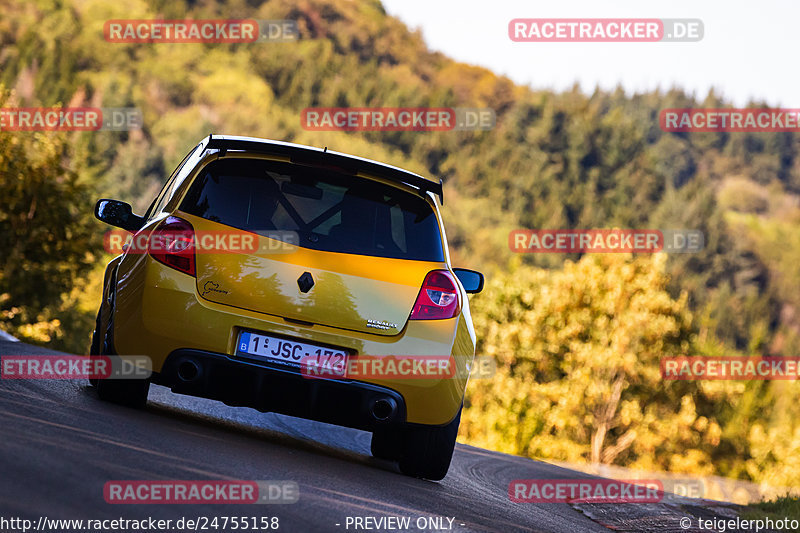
(345, 259)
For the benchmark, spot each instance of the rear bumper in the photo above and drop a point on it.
(268, 389)
(158, 313)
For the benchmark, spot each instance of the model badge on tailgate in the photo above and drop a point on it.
(380, 324)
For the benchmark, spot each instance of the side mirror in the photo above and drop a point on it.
(470, 279)
(118, 214)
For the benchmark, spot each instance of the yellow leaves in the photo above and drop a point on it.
(630, 413)
(776, 454)
(473, 86)
(687, 415)
(713, 435)
(40, 332)
(693, 461)
(177, 130)
(234, 84)
(6, 314)
(577, 349)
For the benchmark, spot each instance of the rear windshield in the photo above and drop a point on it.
(327, 210)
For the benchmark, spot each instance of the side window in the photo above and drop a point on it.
(173, 181)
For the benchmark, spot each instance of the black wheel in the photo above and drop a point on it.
(100, 336)
(427, 451)
(95, 348)
(387, 444)
(127, 392)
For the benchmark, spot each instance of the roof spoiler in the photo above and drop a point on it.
(346, 164)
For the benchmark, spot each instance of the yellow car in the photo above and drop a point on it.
(260, 259)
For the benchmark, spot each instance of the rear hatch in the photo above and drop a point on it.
(325, 248)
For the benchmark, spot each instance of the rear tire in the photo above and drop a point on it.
(100, 336)
(427, 451)
(387, 444)
(127, 392)
(95, 348)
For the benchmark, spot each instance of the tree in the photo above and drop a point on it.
(578, 379)
(46, 236)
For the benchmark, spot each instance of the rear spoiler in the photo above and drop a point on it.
(347, 164)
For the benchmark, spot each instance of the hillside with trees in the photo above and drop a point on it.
(577, 339)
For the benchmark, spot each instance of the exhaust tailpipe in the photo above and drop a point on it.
(188, 370)
(383, 409)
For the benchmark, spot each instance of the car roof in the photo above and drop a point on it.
(313, 156)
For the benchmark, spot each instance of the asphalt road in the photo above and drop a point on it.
(59, 445)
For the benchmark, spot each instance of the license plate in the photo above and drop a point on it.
(291, 353)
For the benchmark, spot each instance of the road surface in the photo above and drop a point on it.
(59, 445)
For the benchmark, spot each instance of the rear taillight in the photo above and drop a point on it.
(438, 297)
(172, 243)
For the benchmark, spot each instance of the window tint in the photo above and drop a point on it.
(328, 211)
